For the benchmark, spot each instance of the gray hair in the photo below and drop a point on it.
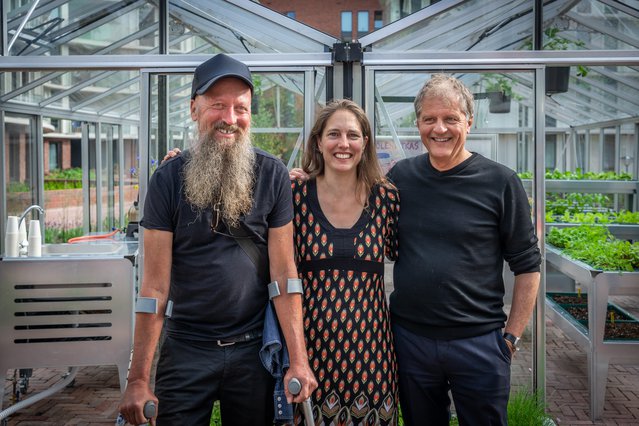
(446, 87)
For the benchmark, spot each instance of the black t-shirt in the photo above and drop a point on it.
(215, 286)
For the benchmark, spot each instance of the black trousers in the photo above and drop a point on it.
(476, 370)
(191, 375)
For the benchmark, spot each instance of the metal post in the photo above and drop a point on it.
(86, 182)
(98, 176)
(539, 323)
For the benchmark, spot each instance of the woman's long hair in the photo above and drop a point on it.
(369, 172)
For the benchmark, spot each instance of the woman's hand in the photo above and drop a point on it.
(172, 153)
(297, 173)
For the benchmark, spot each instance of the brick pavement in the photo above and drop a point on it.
(93, 398)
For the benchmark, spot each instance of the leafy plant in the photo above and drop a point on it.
(578, 174)
(601, 218)
(577, 202)
(499, 83)
(554, 41)
(595, 245)
(524, 409)
(54, 235)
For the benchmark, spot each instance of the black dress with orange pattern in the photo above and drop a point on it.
(346, 316)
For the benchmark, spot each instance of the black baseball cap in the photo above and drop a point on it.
(219, 66)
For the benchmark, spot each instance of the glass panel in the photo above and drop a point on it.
(591, 24)
(104, 92)
(210, 26)
(20, 173)
(466, 26)
(277, 114)
(609, 151)
(379, 22)
(63, 184)
(507, 25)
(78, 27)
(347, 26)
(362, 23)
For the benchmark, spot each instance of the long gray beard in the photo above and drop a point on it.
(219, 173)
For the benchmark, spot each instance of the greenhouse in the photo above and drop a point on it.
(93, 94)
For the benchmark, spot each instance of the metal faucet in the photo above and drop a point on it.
(24, 244)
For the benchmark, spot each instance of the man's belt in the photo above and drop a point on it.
(240, 338)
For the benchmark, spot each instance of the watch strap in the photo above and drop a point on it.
(514, 340)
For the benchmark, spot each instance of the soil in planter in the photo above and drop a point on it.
(581, 313)
(569, 299)
(622, 331)
(624, 327)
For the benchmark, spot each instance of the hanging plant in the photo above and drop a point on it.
(557, 78)
(499, 91)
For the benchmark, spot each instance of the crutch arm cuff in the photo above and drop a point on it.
(294, 285)
(273, 290)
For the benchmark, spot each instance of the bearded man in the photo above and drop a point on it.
(195, 207)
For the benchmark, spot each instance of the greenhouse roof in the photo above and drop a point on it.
(47, 41)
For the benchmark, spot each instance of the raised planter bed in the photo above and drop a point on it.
(599, 286)
(620, 324)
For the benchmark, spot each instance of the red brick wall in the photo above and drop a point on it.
(326, 15)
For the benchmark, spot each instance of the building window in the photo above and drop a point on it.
(551, 152)
(291, 14)
(362, 23)
(609, 153)
(379, 21)
(347, 26)
(54, 156)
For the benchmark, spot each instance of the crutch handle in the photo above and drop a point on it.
(295, 387)
(149, 410)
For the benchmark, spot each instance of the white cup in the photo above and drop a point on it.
(11, 239)
(35, 239)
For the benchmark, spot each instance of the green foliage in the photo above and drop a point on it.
(625, 216)
(601, 218)
(554, 41)
(527, 409)
(73, 173)
(578, 174)
(63, 179)
(54, 235)
(499, 83)
(596, 246)
(19, 187)
(524, 409)
(567, 205)
(216, 418)
(577, 202)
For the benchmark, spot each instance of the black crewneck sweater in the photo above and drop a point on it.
(455, 230)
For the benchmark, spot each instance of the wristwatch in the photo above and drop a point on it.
(514, 340)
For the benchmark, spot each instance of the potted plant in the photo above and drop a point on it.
(499, 91)
(557, 78)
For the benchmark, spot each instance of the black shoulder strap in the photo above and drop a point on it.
(245, 241)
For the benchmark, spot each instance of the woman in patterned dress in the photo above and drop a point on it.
(345, 221)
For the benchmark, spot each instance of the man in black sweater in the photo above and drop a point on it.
(461, 216)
